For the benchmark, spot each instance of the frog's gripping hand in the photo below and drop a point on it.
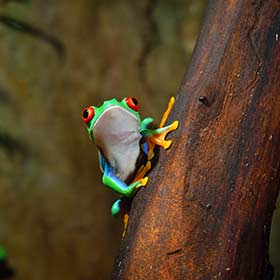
(156, 136)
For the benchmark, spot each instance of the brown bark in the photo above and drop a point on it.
(207, 209)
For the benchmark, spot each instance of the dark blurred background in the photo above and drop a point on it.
(56, 57)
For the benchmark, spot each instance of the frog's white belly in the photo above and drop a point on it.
(117, 135)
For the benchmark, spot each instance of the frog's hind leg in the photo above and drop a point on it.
(122, 205)
(142, 171)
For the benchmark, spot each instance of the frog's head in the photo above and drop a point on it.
(111, 114)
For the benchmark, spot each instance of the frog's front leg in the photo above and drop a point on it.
(110, 180)
(157, 136)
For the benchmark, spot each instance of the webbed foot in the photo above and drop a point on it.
(159, 138)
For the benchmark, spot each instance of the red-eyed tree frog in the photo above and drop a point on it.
(123, 139)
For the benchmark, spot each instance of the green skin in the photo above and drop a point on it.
(3, 254)
(112, 177)
(98, 111)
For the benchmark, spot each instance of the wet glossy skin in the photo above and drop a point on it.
(117, 129)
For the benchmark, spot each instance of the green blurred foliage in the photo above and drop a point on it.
(2, 253)
(54, 211)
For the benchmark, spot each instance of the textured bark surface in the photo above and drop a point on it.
(206, 212)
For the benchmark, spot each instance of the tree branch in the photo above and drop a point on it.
(207, 209)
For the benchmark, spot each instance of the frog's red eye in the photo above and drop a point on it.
(88, 115)
(133, 103)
